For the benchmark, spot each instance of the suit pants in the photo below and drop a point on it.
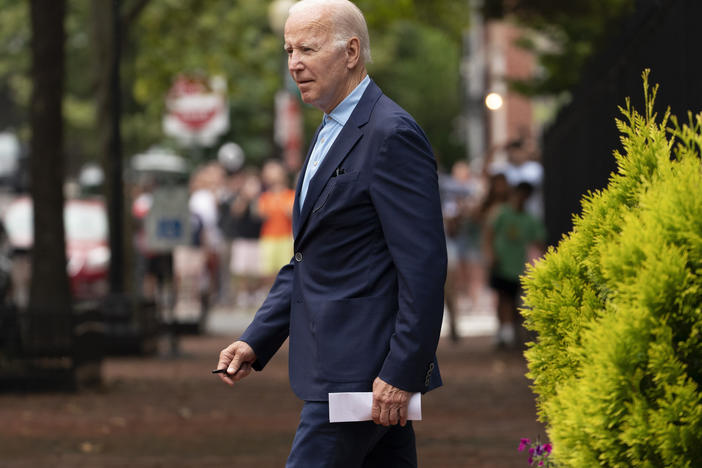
(321, 444)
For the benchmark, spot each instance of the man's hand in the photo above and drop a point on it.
(238, 356)
(389, 404)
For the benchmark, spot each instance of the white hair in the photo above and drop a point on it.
(346, 20)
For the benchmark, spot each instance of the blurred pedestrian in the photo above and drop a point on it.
(509, 234)
(231, 158)
(227, 227)
(498, 193)
(204, 187)
(470, 274)
(455, 195)
(522, 165)
(142, 199)
(153, 268)
(246, 258)
(362, 299)
(275, 207)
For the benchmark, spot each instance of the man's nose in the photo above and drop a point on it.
(294, 62)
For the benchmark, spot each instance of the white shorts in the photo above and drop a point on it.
(246, 257)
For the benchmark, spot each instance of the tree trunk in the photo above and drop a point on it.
(49, 289)
(105, 18)
(106, 49)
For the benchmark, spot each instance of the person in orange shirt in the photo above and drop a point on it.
(275, 207)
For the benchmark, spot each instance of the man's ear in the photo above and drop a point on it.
(353, 52)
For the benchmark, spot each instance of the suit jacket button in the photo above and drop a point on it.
(298, 256)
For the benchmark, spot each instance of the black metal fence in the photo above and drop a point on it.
(50, 349)
(577, 150)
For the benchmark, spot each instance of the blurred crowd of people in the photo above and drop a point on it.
(493, 219)
(241, 234)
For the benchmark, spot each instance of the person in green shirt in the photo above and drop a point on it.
(510, 235)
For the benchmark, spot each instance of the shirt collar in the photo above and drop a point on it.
(344, 109)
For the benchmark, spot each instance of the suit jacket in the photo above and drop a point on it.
(363, 295)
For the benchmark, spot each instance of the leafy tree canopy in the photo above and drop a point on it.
(234, 39)
(424, 82)
(567, 34)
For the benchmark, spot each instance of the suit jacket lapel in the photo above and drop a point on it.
(338, 151)
(343, 144)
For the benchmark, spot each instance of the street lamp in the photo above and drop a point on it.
(494, 101)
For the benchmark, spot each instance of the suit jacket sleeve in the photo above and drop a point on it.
(405, 193)
(271, 325)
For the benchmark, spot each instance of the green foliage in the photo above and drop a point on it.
(15, 85)
(15, 63)
(617, 307)
(415, 45)
(566, 35)
(404, 55)
(213, 37)
(447, 16)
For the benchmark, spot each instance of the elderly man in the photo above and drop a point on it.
(362, 298)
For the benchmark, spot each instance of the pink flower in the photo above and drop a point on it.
(523, 443)
(538, 453)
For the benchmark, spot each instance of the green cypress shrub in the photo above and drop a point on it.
(617, 308)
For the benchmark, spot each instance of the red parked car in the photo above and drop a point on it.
(87, 247)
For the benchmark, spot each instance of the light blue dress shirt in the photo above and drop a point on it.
(332, 124)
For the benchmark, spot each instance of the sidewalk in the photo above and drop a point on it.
(172, 412)
(473, 320)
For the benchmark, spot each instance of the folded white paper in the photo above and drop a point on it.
(356, 406)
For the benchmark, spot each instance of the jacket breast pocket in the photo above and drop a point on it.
(353, 337)
(337, 182)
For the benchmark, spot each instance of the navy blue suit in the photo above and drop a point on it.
(363, 296)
